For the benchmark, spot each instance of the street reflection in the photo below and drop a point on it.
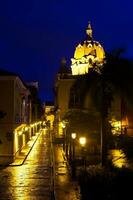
(118, 158)
(32, 179)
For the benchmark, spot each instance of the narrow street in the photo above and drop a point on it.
(32, 180)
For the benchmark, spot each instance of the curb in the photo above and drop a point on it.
(16, 165)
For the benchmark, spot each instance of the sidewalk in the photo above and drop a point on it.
(65, 188)
(25, 151)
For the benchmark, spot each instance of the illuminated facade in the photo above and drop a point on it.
(69, 88)
(63, 83)
(87, 54)
(49, 113)
(14, 103)
(36, 107)
(15, 117)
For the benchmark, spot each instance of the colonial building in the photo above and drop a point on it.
(63, 83)
(87, 54)
(36, 105)
(69, 94)
(15, 116)
(49, 113)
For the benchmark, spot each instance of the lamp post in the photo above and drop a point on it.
(82, 141)
(64, 135)
(73, 136)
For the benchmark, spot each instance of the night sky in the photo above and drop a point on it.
(36, 34)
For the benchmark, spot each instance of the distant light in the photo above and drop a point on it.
(63, 125)
(26, 129)
(82, 141)
(20, 132)
(73, 135)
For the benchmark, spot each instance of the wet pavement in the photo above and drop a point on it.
(20, 159)
(65, 187)
(32, 180)
(40, 172)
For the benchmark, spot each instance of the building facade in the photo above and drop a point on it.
(87, 54)
(16, 125)
(72, 93)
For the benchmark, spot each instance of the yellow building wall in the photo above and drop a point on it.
(7, 100)
(63, 94)
(6, 124)
(10, 104)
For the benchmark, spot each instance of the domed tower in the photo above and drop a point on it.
(87, 54)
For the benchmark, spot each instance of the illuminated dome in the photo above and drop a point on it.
(87, 54)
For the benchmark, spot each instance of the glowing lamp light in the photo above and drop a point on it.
(20, 132)
(82, 141)
(73, 135)
(63, 125)
(26, 128)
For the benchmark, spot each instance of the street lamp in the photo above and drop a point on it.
(64, 135)
(82, 141)
(73, 136)
(63, 125)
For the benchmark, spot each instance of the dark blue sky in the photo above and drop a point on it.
(36, 34)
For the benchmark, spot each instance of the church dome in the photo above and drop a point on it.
(86, 54)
